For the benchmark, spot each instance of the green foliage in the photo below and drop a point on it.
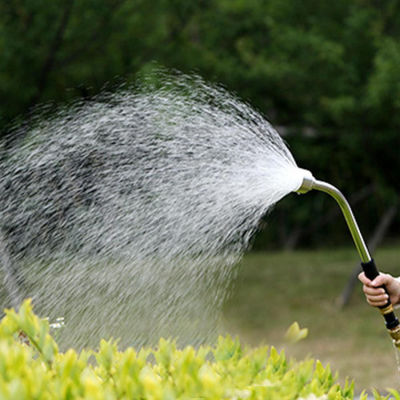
(35, 369)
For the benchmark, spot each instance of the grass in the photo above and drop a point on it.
(275, 289)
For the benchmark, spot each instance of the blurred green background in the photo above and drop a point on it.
(325, 73)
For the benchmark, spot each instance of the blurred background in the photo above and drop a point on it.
(325, 74)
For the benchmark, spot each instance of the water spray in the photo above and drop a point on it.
(367, 263)
(127, 213)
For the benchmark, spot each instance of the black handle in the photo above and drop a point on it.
(371, 272)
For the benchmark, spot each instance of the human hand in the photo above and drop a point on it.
(376, 295)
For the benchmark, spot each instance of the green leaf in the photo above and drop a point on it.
(295, 334)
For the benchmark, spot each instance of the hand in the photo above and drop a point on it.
(376, 296)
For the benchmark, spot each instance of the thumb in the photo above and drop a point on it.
(381, 279)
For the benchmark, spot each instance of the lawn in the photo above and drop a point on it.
(275, 289)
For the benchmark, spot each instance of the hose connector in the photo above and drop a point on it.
(395, 334)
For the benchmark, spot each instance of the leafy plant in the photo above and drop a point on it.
(34, 368)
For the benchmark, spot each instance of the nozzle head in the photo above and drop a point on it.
(307, 182)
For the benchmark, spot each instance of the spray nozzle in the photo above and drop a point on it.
(307, 181)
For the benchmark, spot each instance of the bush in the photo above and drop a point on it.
(32, 367)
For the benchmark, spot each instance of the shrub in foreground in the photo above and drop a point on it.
(32, 367)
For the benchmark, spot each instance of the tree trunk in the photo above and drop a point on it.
(293, 238)
(52, 54)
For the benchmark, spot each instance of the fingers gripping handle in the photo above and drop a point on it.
(371, 272)
(392, 323)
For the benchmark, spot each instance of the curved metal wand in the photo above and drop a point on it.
(367, 263)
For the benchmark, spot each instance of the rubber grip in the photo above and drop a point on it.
(370, 270)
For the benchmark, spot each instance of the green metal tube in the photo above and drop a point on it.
(309, 183)
(349, 217)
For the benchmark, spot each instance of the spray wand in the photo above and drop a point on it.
(367, 263)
